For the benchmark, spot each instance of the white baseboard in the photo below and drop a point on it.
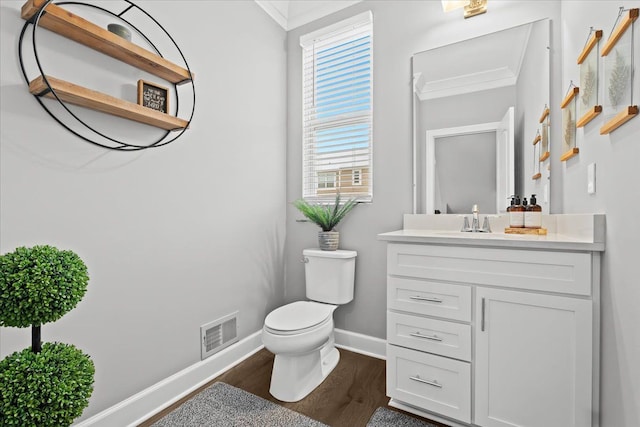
(141, 406)
(359, 343)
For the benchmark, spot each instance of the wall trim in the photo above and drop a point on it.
(141, 406)
(360, 343)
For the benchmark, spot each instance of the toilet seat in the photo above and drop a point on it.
(298, 317)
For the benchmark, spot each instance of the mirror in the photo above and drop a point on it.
(477, 110)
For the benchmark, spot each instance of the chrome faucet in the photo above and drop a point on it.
(475, 223)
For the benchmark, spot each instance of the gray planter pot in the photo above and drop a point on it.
(328, 240)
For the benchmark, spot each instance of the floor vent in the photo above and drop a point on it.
(218, 334)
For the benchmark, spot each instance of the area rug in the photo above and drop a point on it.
(222, 405)
(384, 417)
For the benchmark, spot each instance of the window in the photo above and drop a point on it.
(356, 177)
(337, 65)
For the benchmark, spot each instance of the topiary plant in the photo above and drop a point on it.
(50, 388)
(39, 285)
(50, 384)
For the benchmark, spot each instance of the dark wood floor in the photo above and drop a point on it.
(347, 397)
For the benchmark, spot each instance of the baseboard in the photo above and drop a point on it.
(359, 343)
(141, 406)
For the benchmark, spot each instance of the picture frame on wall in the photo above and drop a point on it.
(544, 135)
(154, 96)
(618, 71)
(568, 107)
(588, 103)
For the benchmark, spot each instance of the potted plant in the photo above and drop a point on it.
(50, 384)
(326, 216)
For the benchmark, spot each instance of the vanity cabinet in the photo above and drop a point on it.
(493, 336)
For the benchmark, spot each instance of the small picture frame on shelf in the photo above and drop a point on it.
(153, 96)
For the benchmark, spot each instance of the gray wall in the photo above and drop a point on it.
(404, 28)
(618, 195)
(173, 237)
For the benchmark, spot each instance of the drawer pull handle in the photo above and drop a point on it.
(430, 299)
(428, 337)
(432, 383)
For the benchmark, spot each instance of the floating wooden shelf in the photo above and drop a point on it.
(537, 176)
(567, 99)
(597, 35)
(78, 29)
(589, 115)
(545, 156)
(537, 139)
(78, 95)
(545, 113)
(569, 154)
(631, 16)
(619, 119)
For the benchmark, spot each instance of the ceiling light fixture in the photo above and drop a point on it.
(471, 7)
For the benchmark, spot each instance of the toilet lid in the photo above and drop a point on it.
(298, 315)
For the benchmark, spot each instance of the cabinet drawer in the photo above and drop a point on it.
(541, 270)
(435, 336)
(429, 382)
(429, 298)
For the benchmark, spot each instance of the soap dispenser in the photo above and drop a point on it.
(533, 214)
(516, 214)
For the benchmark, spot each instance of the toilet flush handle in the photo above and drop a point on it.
(304, 259)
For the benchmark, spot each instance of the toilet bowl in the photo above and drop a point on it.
(300, 334)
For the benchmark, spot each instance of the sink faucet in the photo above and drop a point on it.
(475, 223)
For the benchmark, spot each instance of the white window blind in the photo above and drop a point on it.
(337, 67)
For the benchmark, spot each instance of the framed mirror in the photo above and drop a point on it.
(477, 107)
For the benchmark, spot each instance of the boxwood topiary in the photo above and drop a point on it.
(50, 388)
(39, 285)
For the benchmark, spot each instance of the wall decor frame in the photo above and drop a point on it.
(544, 135)
(568, 107)
(588, 104)
(153, 96)
(59, 17)
(619, 72)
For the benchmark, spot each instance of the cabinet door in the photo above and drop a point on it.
(533, 360)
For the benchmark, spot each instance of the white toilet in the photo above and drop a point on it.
(300, 334)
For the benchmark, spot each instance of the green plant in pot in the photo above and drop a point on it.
(47, 384)
(327, 217)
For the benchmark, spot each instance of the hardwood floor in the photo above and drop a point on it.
(347, 398)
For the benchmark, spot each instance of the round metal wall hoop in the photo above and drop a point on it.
(121, 145)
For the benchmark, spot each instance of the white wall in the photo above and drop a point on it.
(173, 237)
(618, 195)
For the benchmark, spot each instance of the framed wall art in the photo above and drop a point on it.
(569, 124)
(588, 105)
(618, 71)
(544, 135)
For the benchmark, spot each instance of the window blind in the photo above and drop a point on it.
(338, 110)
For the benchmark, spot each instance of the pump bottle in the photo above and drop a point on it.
(533, 214)
(516, 214)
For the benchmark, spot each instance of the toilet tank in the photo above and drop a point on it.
(329, 275)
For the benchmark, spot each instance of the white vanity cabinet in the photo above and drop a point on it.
(493, 335)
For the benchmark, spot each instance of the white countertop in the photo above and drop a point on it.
(581, 232)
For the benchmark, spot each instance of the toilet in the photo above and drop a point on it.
(300, 334)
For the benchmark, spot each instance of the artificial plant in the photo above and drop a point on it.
(50, 384)
(326, 216)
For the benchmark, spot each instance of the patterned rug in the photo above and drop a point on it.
(222, 405)
(384, 417)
